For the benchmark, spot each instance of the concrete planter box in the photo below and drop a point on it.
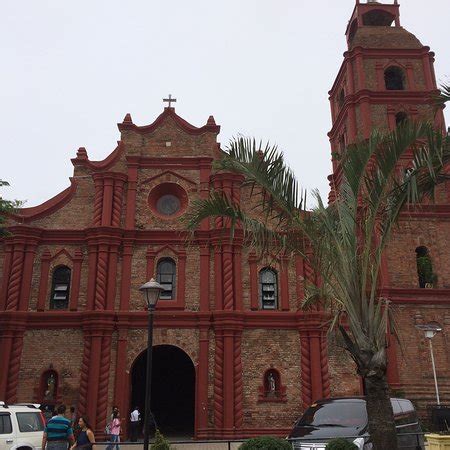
(438, 441)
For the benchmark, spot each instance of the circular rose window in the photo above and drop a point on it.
(168, 204)
(168, 200)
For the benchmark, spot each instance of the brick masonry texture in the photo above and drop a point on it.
(108, 229)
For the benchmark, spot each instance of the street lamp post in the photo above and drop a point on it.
(151, 291)
(430, 330)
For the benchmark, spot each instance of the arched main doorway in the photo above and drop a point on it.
(173, 389)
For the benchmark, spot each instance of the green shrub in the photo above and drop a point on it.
(161, 443)
(266, 443)
(340, 444)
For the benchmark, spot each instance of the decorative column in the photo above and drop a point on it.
(237, 381)
(92, 274)
(76, 278)
(201, 402)
(150, 257)
(12, 329)
(204, 280)
(218, 381)
(30, 253)
(284, 288)
(314, 362)
(98, 200)
(181, 288)
(119, 182)
(43, 282)
(228, 382)
(84, 374)
(218, 277)
(254, 303)
(108, 184)
(6, 272)
(125, 287)
(112, 275)
(15, 278)
(101, 277)
(131, 194)
(237, 276)
(120, 387)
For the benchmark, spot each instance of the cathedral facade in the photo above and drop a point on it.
(234, 354)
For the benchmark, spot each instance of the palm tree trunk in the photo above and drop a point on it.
(380, 416)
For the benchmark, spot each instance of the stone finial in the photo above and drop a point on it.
(211, 121)
(82, 153)
(127, 118)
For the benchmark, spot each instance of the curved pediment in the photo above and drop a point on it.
(169, 113)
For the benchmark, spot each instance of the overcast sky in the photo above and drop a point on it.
(73, 69)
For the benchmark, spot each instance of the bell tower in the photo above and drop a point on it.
(387, 76)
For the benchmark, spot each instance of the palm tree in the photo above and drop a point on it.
(346, 239)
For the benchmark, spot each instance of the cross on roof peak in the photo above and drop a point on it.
(170, 100)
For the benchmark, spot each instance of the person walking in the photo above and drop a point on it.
(114, 427)
(58, 433)
(86, 438)
(134, 424)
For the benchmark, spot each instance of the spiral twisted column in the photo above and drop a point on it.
(15, 279)
(117, 202)
(98, 200)
(324, 366)
(84, 376)
(218, 382)
(6, 271)
(103, 384)
(305, 370)
(238, 384)
(14, 368)
(228, 292)
(102, 277)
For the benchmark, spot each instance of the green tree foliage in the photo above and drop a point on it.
(161, 443)
(266, 443)
(340, 444)
(6, 206)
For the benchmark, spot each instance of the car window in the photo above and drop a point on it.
(407, 406)
(396, 408)
(407, 415)
(5, 424)
(339, 414)
(29, 421)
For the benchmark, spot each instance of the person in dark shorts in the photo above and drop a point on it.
(86, 438)
(58, 433)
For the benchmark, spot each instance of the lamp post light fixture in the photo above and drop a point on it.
(430, 330)
(151, 291)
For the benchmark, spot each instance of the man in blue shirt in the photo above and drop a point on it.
(58, 433)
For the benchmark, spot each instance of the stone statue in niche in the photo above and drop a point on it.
(271, 385)
(49, 393)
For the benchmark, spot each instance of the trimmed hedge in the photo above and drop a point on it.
(340, 444)
(266, 443)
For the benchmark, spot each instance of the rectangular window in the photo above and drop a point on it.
(5, 424)
(30, 422)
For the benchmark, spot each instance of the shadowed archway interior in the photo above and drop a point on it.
(173, 389)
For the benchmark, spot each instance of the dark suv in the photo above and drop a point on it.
(347, 417)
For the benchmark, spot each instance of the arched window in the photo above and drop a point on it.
(394, 79)
(268, 289)
(400, 118)
(59, 298)
(427, 278)
(166, 276)
(378, 18)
